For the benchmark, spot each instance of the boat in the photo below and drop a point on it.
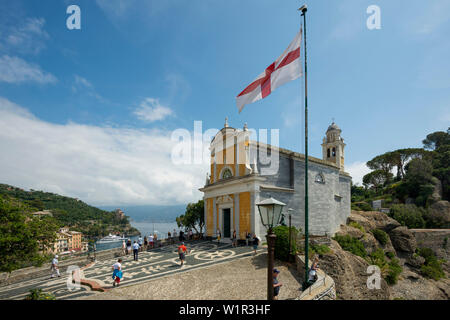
(111, 238)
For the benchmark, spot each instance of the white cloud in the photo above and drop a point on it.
(100, 165)
(27, 36)
(17, 70)
(151, 110)
(357, 170)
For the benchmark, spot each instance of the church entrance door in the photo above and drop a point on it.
(226, 223)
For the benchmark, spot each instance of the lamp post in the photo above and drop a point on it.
(270, 213)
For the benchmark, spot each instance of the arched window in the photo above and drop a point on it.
(319, 178)
(334, 152)
(227, 174)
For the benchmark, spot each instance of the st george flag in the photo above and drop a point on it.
(286, 68)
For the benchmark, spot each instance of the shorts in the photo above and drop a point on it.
(182, 256)
(255, 246)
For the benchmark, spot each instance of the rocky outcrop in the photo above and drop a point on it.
(349, 273)
(373, 220)
(440, 213)
(403, 240)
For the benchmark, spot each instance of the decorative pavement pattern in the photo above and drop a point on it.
(153, 264)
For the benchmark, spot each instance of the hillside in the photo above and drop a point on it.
(79, 216)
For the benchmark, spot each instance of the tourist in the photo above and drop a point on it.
(145, 243)
(169, 237)
(312, 275)
(190, 234)
(124, 247)
(247, 237)
(255, 242)
(174, 235)
(128, 246)
(276, 284)
(182, 250)
(219, 235)
(54, 267)
(181, 236)
(234, 239)
(135, 250)
(117, 272)
(140, 241)
(150, 241)
(155, 239)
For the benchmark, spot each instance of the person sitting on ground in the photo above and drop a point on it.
(117, 272)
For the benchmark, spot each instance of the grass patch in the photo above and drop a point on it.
(320, 249)
(380, 235)
(352, 245)
(356, 225)
(432, 268)
(390, 270)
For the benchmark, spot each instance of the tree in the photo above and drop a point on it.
(21, 235)
(436, 139)
(376, 179)
(193, 217)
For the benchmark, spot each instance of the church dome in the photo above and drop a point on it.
(333, 126)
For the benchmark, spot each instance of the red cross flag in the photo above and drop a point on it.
(286, 68)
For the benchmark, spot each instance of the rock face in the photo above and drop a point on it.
(403, 240)
(349, 273)
(373, 220)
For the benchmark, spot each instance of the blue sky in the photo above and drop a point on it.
(88, 113)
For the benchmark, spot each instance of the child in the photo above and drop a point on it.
(117, 272)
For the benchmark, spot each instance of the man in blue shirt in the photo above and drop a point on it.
(135, 250)
(276, 284)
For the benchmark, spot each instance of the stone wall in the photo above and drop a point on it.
(434, 239)
(329, 202)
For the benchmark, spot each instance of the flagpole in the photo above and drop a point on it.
(304, 9)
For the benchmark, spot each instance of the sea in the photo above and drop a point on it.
(146, 228)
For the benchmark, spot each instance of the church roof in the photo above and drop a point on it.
(333, 126)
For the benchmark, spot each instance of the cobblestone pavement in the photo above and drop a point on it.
(238, 279)
(156, 263)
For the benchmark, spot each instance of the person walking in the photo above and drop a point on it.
(234, 239)
(219, 235)
(128, 246)
(169, 237)
(182, 250)
(140, 242)
(247, 237)
(155, 239)
(135, 250)
(255, 242)
(276, 284)
(54, 267)
(150, 241)
(145, 243)
(181, 236)
(124, 248)
(117, 272)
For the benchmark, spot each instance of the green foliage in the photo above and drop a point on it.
(352, 245)
(361, 206)
(377, 179)
(390, 254)
(393, 272)
(77, 215)
(356, 225)
(380, 235)
(319, 249)
(21, 235)
(408, 215)
(432, 268)
(282, 242)
(193, 217)
(37, 294)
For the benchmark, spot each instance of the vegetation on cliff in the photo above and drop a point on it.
(422, 178)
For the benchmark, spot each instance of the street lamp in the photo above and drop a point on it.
(270, 213)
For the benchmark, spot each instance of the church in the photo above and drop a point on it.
(238, 181)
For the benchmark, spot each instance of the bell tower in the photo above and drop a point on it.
(333, 146)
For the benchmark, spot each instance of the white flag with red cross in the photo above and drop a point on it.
(286, 68)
